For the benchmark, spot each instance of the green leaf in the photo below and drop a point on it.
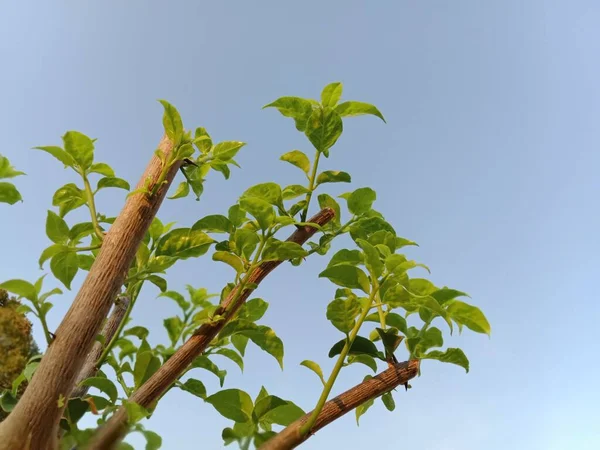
(174, 326)
(240, 342)
(195, 178)
(268, 192)
(202, 362)
(389, 339)
(323, 129)
(361, 409)
(372, 259)
(333, 176)
(232, 404)
(139, 332)
(396, 321)
(102, 169)
(9, 193)
(360, 345)
(157, 281)
(293, 191)
(104, 385)
(261, 438)
(68, 198)
(85, 262)
(56, 228)
(445, 294)
(331, 94)
(236, 215)
(260, 210)
(451, 355)
(345, 256)
(215, 223)
(267, 404)
(348, 109)
(361, 201)
(182, 191)
(421, 286)
(202, 140)
(80, 147)
(388, 401)
(81, 230)
(347, 276)
(227, 150)
(315, 368)
(364, 359)
(263, 336)
(172, 123)
(183, 243)
(8, 401)
(327, 201)
(153, 440)
(342, 312)
(135, 412)
(298, 159)
(245, 242)
(282, 251)
(284, 415)
(64, 267)
(146, 364)
(253, 310)
(297, 108)
(113, 182)
(470, 316)
(59, 154)
(232, 355)
(21, 288)
(7, 170)
(160, 263)
(195, 387)
(229, 259)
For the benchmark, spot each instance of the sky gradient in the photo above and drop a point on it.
(489, 160)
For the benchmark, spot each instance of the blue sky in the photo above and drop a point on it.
(489, 160)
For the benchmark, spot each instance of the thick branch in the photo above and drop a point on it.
(114, 430)
(110, 327)
(372, 388)
(33, 424)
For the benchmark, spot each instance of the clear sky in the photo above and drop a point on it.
(489, 160)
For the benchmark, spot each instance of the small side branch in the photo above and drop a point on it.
(151, 391)
(396, 375)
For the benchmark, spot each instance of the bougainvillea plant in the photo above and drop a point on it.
(98, 362)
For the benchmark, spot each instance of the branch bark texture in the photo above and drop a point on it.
(335, 408)
(115, 429)
(33, 424)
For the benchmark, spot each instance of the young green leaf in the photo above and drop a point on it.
(174, 326)
(146, 364)
(202, 140)
(267, 404)
(182, 191)
(227, 150)
(323, 129)
(268, 192)
(331, 94)
(56, 228)
(102, 169)
(345, 256)
(68, 198)
(172, 123)
(64, 267)
(230, 259)
(215, 223)
(183, 243)
(236, 215)
(80, 148)
(451, 355)
(372, 259)
(253, 310)
(245, 241)
(348, 109)
(347, 276)
(135, 412)
(445, 294)
(232, 355)
(327, 201)
(9, 193)
(113, 182)
(104, 385)
(195, 387)
(294, 191)
(342, 312)
(333, 176)
(297, 108)
(59, 154)
(311, 365)
(361, 409)
(232, 404)
(361, 201)
(260, 210)
(367, 360)
(282, 251)
(261, 335)
(283, 415)
(21, 288)
(298, 159)
(470, 316)
(388, 401)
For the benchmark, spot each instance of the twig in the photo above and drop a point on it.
(396, 375)
(113, 431)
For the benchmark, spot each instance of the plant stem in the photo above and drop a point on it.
(44, 324)
(92, 206)
(246, 444)
(311, 185)
(338, 365)
(87, 249)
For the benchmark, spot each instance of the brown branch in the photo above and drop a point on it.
(33, 424)
(398, 374)
(148, 394)
(110, 328)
